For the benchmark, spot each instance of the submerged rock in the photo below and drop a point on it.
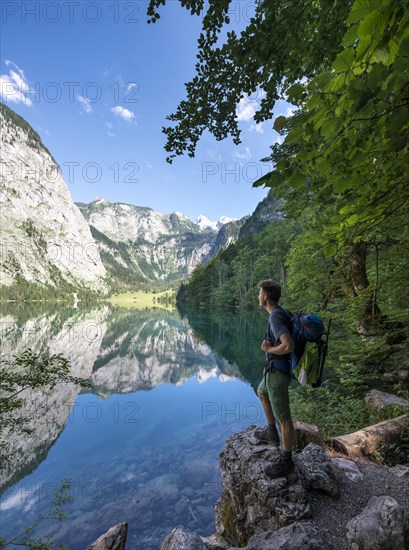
(380, 526)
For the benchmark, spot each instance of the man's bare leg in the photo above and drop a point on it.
(268, 411)
(288, 435)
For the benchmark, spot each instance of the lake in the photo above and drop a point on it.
(143, 446)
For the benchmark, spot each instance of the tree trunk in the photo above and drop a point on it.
(357, 264)
(359, 279)
(368, 440)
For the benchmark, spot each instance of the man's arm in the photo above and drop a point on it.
(285, 346)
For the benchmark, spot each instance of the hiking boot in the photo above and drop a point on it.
(264, 436)
(280, 468)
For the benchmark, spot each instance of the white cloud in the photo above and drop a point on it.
(85, 103)
(123, 113)
(257, 128)
(244, 154)
(14, 86)
(148, 164)
(246, 108)
(290, 111)
(108, 125)
(111, 134)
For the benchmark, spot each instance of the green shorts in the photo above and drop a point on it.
(276, 389)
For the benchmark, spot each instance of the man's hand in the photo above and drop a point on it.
(285, 346)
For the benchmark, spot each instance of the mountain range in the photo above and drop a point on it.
(50, 241)
(138, 244)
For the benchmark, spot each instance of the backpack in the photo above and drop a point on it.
(310, 349)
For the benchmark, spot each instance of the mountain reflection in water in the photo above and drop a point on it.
(144, 446)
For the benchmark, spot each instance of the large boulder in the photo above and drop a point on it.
(293, 537)
(316, 470)
(381, 399)
(251, 502)
(114, 539)
(179, 539)
(380, 526)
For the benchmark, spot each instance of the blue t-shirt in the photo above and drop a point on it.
(279, 322)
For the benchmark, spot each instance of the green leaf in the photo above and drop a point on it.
(269, 180)
(296, 93)
(381, 55)
(352, 220)
(323, 79)
(298, 180)
(362, 8)
(344, 60)
(330, 250)
(294, 135)
(340, 184)
(279, 123)
(404, 47)
(350, 36)
(373, 25)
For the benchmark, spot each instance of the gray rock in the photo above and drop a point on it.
(380, 526)
(381, 399)
(250, 502)
(349, 468)
(179, 539)
(215, 542)
(400, 470)
(298, 535)
(401, 374)
(114, 539)
(316, 470)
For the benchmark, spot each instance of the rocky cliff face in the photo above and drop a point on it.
(137, 243)
(267, 210)
(45, 239)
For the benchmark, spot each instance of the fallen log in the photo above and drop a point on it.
(368, 440)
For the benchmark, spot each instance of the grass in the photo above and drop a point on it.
(139, 299)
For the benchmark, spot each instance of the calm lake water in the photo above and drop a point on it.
(143, 446)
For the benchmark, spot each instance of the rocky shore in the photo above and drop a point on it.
(331, 500)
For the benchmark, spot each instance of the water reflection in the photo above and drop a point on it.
(143, 447)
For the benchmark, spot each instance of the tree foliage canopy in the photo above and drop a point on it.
(284, 41)
(344, 156)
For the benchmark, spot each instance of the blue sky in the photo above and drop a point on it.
(96, 82)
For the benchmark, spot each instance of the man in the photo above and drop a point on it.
(273, 389)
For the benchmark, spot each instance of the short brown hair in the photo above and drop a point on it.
(272, 289)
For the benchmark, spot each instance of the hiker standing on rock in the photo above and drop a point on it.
(273, 389)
